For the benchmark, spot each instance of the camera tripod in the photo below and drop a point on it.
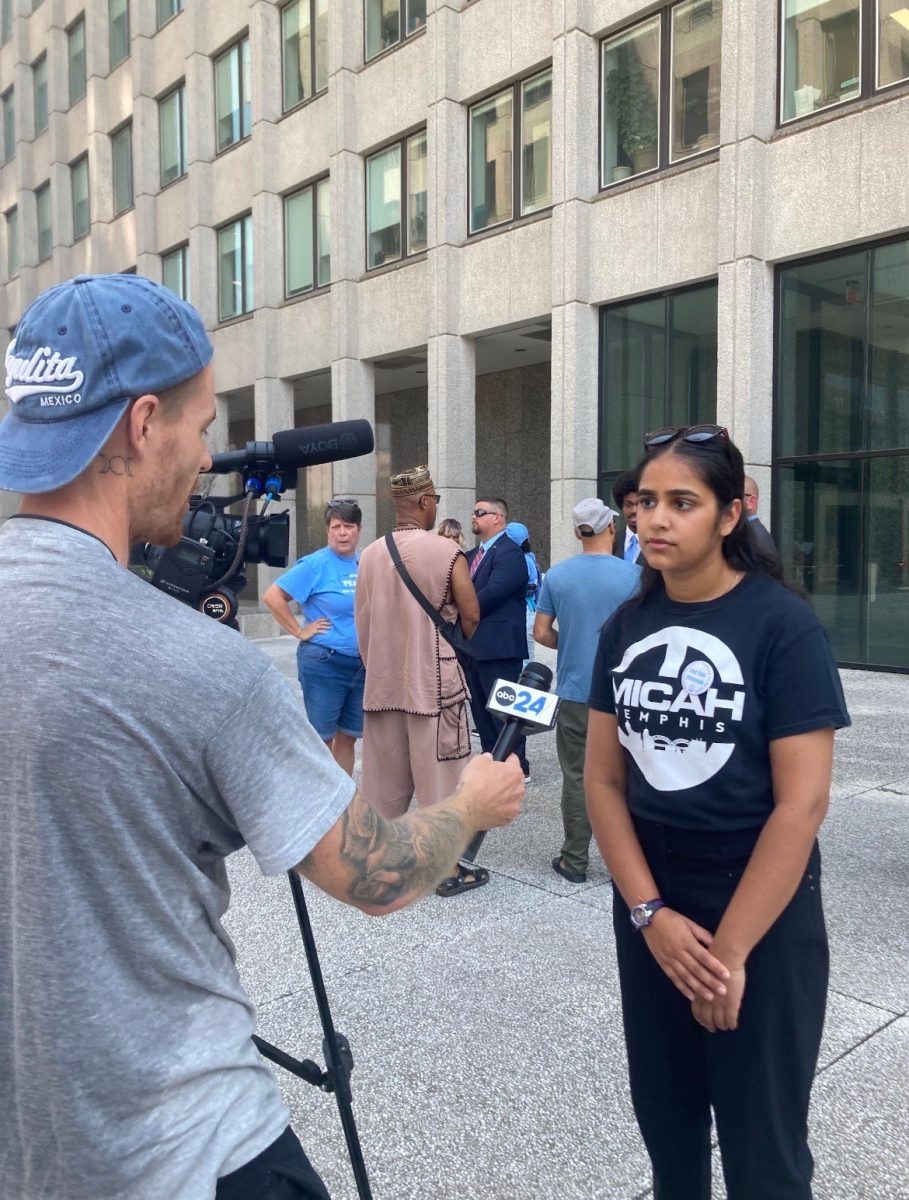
(335, 1048)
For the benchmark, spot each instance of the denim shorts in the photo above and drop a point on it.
(332, 686)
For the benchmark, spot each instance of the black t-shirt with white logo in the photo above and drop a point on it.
(700, 690)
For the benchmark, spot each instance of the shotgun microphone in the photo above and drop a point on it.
(294, 449)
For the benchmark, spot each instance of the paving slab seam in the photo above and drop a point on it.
(851, 1050)
(878, 787)
(582, 889)
(893, 1012)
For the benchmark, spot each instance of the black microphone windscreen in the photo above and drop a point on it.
(314, 444)
(537, 675)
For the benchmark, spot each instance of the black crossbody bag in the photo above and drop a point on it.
(449, 630)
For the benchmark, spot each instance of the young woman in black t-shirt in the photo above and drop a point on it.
(709, 752)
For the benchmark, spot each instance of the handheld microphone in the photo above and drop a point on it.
(293, 449)
(535, 675)
(527, 708)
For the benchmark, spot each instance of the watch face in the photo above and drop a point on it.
(640, 916)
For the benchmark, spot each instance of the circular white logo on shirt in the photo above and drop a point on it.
(697, 677)
(676, 717)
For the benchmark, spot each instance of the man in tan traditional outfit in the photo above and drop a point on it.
(416, 738)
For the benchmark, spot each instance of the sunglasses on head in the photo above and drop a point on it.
(340, 503)
(697, 434)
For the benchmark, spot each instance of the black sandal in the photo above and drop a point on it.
(467, 878)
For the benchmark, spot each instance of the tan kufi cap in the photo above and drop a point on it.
(412, 482)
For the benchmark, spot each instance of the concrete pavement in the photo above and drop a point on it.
(486, 1028)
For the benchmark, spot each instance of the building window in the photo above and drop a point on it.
(233, 110)
(78, 173)
(835, 51)
(75, 50)
(235, 268)
(45, 231)
(118, 31)
(390, 21)
(658, 367)
(39, 86)
(172, 135)
(168, 9)
(395, 229)
(8, 105)
(841, 446)
(307, 239)
(121, 146)
(498, 189)
(12, 241)
(175, 271)
(304, 32)
(661, 90)
(6, 21)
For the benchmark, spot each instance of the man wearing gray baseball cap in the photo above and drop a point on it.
(131, 771)
(578, 596)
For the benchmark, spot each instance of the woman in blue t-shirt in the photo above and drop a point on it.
(329, 666)
(709, 751)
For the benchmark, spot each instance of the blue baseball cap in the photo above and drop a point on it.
(82, 351)
(518, 533)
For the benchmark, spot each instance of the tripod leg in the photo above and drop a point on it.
(335, 1060)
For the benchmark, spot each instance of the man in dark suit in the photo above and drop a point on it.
(759, 531)
(499, 573)
(626, 544)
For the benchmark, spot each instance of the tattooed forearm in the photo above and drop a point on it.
(115, 464)
(390, 859)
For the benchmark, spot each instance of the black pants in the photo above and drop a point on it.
(481, 682)
(281, 1172)
(757, 1078)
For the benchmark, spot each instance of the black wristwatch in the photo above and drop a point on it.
(642, 914)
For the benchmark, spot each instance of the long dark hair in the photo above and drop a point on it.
(719, 465)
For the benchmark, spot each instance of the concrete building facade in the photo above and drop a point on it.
(546, 224)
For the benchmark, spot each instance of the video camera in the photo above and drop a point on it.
(205, 568)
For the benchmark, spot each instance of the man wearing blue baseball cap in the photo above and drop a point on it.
(131, 771)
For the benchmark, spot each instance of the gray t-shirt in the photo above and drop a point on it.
(142, 743)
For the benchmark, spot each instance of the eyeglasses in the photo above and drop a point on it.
(484, 512)
(437, 497)
(697, 434)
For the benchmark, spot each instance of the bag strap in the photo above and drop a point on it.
(433, 615)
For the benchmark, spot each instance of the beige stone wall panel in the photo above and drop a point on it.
(506, 278)
(393, 310)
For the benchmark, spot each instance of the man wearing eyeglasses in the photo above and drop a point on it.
(499, 575)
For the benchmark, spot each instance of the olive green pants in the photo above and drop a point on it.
(571, 744)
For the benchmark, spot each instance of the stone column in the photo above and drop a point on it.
(452, 379)
(574, 388)
(745, 353)
(574, 418)
(353, 396)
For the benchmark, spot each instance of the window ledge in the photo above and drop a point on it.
(322, 290)
(504, 226)
(397, 265)
(289, 112)
(237, 320)
(405, 41)
(227, 149)
(836, 112)
(646, 177)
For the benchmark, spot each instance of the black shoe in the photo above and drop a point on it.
(525, 767)
(571, 876)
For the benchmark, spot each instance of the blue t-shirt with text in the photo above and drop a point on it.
(323, 584)
(582, 593)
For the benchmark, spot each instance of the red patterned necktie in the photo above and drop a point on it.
(475, 564)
